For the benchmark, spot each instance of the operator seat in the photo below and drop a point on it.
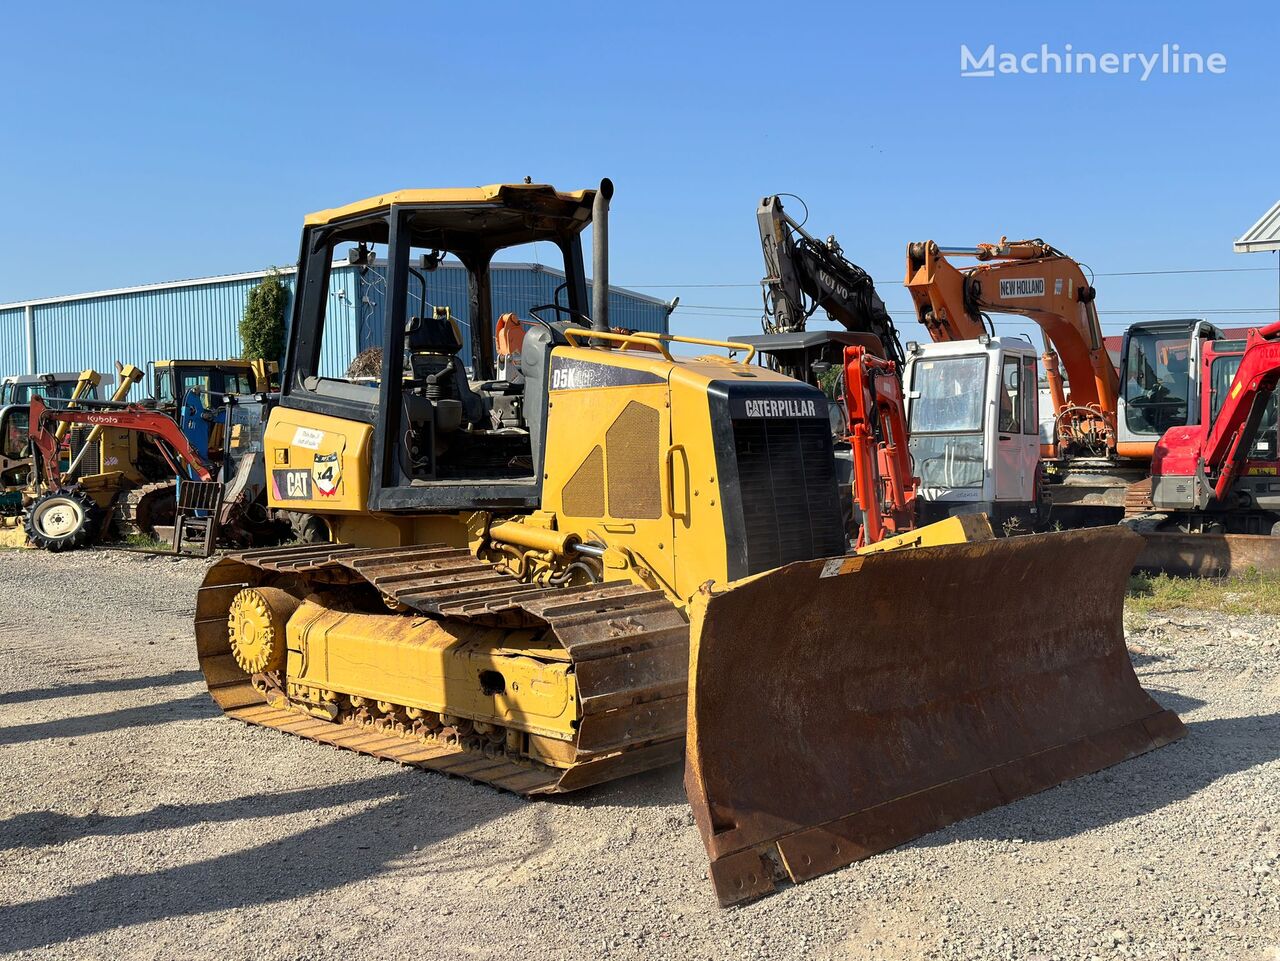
(431, 356)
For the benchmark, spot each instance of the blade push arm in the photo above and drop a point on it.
(803, 274)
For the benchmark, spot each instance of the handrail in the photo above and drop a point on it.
(657, 340)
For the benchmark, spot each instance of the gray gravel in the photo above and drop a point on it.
(135, 823)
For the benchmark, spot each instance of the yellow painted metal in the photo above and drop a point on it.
(964, 529)
(678, 538)
(536, 538)
(631, 466)
(491, 193)
(697, 495)
(294, 438)
(123, 444)
(605, 483)
(12, 535)
(445, 667)
(260, 371)
(642, 338)
(256, 625)
(86, 384)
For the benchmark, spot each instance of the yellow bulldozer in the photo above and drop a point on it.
(615, 550)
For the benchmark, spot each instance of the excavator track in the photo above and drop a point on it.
(628, 647)
(142, 509)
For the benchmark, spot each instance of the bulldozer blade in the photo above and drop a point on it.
(840, 708)
(1208, 555)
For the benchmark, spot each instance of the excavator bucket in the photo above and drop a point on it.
(840, 708)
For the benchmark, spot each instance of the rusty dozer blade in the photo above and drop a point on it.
(1209, 555)
(840, 708)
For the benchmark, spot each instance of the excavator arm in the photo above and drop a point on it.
(1035, 280)
(45, 441)
(883, 481)
(804, 273)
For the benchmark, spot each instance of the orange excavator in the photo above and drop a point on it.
(1085, 464)
(1032, 279)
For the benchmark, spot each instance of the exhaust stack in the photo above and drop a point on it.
(600, 256)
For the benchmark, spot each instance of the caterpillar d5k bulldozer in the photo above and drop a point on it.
(523, 569)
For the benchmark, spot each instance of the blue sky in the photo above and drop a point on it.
(148, 142)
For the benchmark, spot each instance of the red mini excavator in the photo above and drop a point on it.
(1220, 475)
(67, 515)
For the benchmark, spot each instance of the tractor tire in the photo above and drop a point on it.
(63, 520)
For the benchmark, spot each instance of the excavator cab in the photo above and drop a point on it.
(973, 420)
(15, 457)
(1220, 361)
(1160, 372)
(21, 388)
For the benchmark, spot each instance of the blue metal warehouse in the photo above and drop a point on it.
(200, 318)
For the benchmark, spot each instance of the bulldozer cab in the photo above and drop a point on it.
(443, 431)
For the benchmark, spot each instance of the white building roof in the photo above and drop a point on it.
(1262, 236)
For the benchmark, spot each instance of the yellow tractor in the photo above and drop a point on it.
(525, 567)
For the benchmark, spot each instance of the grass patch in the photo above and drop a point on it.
(1252, 592)
(146, 542)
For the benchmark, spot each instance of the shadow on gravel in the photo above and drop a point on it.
(657, 788)
(144, 715)
(409, 813)
(1180, 704)
(99, 687)
(33, 829)
(1211, 751)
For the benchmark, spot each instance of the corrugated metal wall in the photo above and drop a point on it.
(515, 287)
(13, 342)
(196, 322)
(200, 321)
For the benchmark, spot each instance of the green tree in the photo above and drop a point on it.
(263, 325)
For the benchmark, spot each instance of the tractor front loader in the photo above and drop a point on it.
(543, 579)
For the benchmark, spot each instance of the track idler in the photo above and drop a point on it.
(840, 708)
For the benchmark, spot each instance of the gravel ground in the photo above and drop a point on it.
(136, 823)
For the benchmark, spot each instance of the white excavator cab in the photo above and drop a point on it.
(973, 420)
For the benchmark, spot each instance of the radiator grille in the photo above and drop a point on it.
(91, 463)
(786, 472)
(583, 495)
(635, 456)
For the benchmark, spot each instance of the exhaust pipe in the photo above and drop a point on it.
(600, 256)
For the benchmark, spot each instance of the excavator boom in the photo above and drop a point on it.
(884, 484)
(102, 414)
(803, 273)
